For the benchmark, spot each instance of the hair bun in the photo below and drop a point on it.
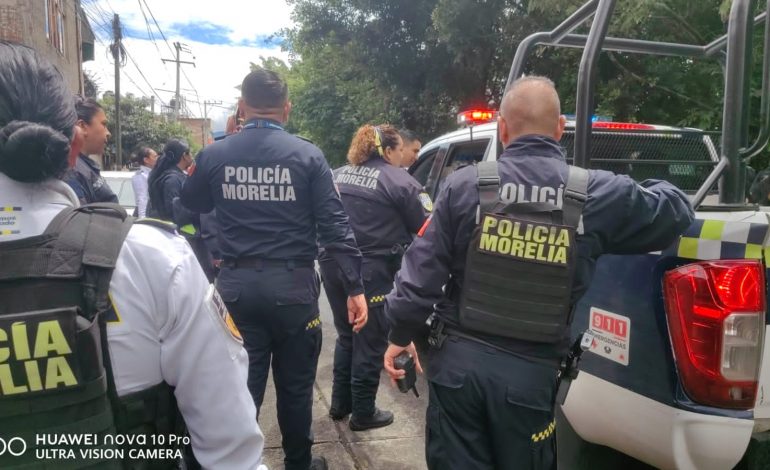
(31, 152)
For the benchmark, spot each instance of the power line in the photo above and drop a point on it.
(173, 51)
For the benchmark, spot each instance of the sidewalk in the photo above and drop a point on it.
(399, 446)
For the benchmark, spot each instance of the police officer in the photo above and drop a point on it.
(386, 207)
(85, 177)
(157, 316)
(274, 197)
(412, 147)
(506, 258)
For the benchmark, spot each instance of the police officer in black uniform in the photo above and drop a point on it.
(386, 207)
(274, 198)
(85, 178)
(507, 260)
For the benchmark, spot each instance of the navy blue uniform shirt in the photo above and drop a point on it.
(386, 206)
(274, 197)
(619, 216)
(164, 199)
(87, 182)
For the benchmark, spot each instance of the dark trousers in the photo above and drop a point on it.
(276, 311)
(357, 356)
(488, 410)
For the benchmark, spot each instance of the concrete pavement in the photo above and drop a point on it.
(399, 446)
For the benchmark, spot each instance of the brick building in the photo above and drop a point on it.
(58, 29)
(200, 129)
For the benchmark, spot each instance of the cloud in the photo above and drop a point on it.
(223, 37)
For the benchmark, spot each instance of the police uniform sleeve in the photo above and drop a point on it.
(334, 233)
(415, 205)
(649, 217)
(196, 194)
(207, 365)
(72, 178)
(426, 264)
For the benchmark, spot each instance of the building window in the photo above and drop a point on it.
(54, 24)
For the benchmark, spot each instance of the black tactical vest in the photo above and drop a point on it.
(521, 261)
(55, 371)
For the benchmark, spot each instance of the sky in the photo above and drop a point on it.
(222, 37)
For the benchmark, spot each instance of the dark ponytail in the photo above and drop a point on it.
(172, 154)
(37, 116)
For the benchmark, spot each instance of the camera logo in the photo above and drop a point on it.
(15, 446)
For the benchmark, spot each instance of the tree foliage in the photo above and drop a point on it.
(139, 126)
(415, 64)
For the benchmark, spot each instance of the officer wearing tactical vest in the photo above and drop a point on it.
(386, 207)
(512, 270)
(275, 200)
(103, 321)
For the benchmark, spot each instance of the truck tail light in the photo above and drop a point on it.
(716, 320)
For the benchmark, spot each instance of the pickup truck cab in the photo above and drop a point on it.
(661, 383)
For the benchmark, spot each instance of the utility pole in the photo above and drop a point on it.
(177, 96)
(206, 104)
(152, 104)
(117, 55)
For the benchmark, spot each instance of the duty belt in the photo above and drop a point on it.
(568, 367)
(255, 262)
(440, 330)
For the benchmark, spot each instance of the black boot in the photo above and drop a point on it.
(318, 463)
(379, 419)
(338, 412)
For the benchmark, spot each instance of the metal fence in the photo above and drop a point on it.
(682, 157)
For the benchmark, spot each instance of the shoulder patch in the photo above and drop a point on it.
(426, 202)
(217, 305)
(157, 223)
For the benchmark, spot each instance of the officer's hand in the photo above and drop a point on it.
(390, 355)
(358, 312)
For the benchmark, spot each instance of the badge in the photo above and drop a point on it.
(427, 204)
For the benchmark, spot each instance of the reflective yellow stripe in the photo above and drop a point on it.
(545, 434)
(753, 251)
(712, 229)
(189, 229)
(688, 248)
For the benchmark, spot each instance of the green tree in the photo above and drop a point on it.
(417, 63)
(139, 126)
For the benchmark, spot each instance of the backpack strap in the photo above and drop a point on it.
(89, 241)
(488, 183)
(575, 195)
(165, 225)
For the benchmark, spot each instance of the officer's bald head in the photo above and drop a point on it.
(531, 106)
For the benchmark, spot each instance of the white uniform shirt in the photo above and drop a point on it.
(167, 330)
(141, 192)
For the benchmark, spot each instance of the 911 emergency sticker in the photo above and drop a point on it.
(612, 335)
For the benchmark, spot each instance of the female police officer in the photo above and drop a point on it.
(161, 332)
(165, 184)
(386, 207)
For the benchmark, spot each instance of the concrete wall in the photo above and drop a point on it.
(24, 21)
